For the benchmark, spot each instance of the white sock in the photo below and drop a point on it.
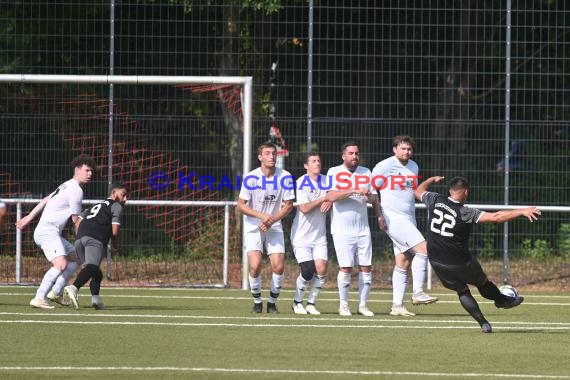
(275, 289)
(399, 283)
(316, 286)
(255, 286)
(343, 283)
(300, 288)
(364, 284)
(64, 277)
(47, 282)
(95, 299)
(419, 272)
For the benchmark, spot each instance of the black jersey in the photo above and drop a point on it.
(449, 228)
(97, 220)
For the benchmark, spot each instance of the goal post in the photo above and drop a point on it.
(246, 99)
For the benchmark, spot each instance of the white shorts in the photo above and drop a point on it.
(273, 240)
(353, 250)
(404, 234)
(51, 242)
(317, 251)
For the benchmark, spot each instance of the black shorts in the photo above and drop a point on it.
(457, 276)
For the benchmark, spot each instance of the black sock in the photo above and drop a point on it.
(491, 292)
(95, 284)
(471, 306)
(84, 275)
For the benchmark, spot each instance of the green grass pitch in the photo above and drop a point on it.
(210, 334)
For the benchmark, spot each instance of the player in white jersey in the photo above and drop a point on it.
(396, 179)
(58, 207)
(350, 192)
(266, 197)
(309, 234)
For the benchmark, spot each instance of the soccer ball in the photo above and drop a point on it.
(509, 291)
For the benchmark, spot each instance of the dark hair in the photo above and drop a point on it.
(81, 160)
(403, 139)
(309, 155)
(118, 185)
(347, 144)
(459, 183)
(267, 144)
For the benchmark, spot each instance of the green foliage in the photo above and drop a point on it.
(487, 249)
(269, 6)
(205, 245)
(564, 240)
(537, 250)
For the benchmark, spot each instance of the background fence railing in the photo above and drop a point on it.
(482, 86)
(218, 260)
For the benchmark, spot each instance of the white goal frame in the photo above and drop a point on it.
(245, 82)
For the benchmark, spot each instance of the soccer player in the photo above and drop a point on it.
(309, 235)
(350, 192)
(95, 227)
(266, 197)
(450, 223)
(58, 207)
(396, 178)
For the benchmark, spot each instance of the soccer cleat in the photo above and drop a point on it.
(297, 308)
(401, 310)
(344, 311)
(51, 296)
(311, 309)
(98, 306)
(40, 303)
(272, 308)
(257, 308)
(510, 302)
(486, 328)
(70, 292)
(363, 310)
(423, 298)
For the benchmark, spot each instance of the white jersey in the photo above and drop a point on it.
(309, 229)
(63, 202)
(397, 183)
(350, 216)
(266, 194)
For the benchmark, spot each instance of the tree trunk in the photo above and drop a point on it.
(455, 95)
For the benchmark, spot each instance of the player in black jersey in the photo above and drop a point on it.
(449, 227)
(95, 227)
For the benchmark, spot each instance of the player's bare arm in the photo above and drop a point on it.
(244, 208)
(115, 230)
(77, 223)
(338, 195)
(374, 199)
(531, 213)
(424, 186)
(306, 208)
(285, 210)
(22, 223)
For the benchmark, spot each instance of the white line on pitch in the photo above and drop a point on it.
(291, 371)
(273, 325)
(273, 318)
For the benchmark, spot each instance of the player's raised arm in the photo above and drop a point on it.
(532, 214)
(424, 186)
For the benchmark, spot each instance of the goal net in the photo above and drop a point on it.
(179, 143)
